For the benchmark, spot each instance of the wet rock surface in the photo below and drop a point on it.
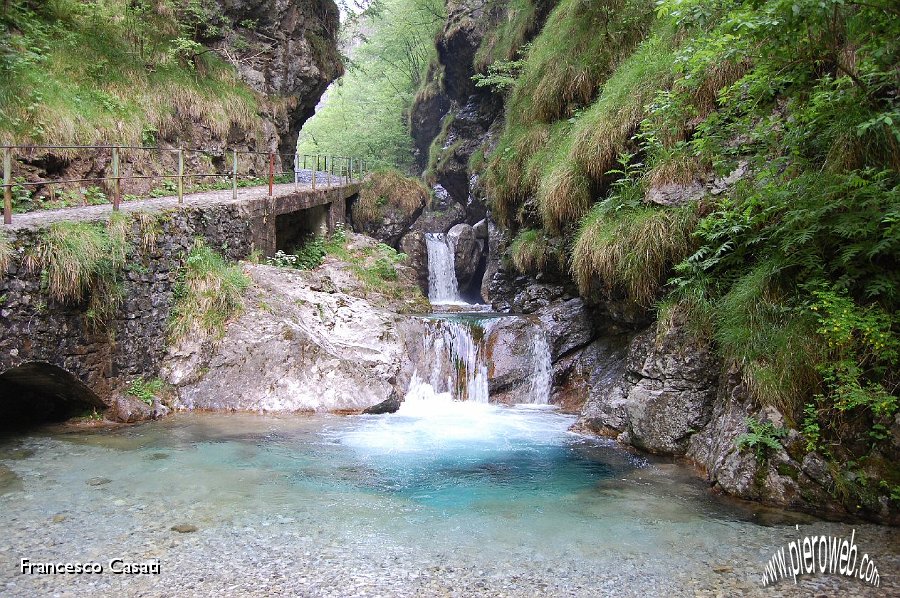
(306, 342)
(466, 252)
(389, 405)
(664, 395)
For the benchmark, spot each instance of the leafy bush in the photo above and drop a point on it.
(145, 390)
(761, 437)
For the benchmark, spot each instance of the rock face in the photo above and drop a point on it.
(509, 359)
(665, 394)
(289, 54)
(304, 350)
(466, 253)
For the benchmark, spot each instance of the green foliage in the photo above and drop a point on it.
(388, 190)
(863, 354)
(145, 390)
(310, 254)
(83, 260)
(82, 72)
(209, 292)
(363, 114)
(501, 75)
(761, 437)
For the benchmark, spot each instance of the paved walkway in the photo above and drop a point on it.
(42, 218)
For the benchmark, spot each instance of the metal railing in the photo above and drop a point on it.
(324, 170)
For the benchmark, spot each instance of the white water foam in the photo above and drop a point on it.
(541, 381)
(442, 285)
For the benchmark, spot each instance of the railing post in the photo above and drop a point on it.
(117, 181)
(271, 173)
(234, 174)
(296, 168)
(328, 172)
(315, 168)
(7, 186)
(180, 175)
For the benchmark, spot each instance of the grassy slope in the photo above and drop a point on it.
(75, 72)
(794, 271)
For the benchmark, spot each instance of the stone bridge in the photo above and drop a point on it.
(54, 363)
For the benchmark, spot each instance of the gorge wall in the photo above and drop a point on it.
(524, 157)
(213, 75)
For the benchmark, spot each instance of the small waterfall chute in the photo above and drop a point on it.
(456, 360)
(442, 284)
(541, 379)
(456, 364)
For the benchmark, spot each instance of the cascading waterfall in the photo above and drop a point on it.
(541, 380)
(442, 285)
(457, 361)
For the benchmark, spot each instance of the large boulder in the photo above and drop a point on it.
(492, 260)
(305, 344)
(568, 326)
(466, 253)
(413, 245)
(128, 410)
(665, 394)
(508, 353)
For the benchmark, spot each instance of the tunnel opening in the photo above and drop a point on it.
(295, 229)
(36, 393)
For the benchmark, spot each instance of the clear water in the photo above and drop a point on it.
(441, 498)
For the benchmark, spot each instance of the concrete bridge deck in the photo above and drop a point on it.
(252, 203)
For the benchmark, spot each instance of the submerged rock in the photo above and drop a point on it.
(128, 410)
(184, 528)
(389, 405)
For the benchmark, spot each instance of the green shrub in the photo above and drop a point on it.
(761, 437)
(145, 390)
(208, 294)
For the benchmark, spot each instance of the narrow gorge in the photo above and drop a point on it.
(449, 298)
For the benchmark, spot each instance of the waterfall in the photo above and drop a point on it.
(457, 364)
(442, 286)
(457, 358)
(540, 383)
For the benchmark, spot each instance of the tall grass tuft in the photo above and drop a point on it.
(579, 47)
(77, 259)
(605, 129)
(388, 189)
(774, 345)
(6, 252)
(631, 249)
(208, 294)
(564, 196)
(529, 251)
